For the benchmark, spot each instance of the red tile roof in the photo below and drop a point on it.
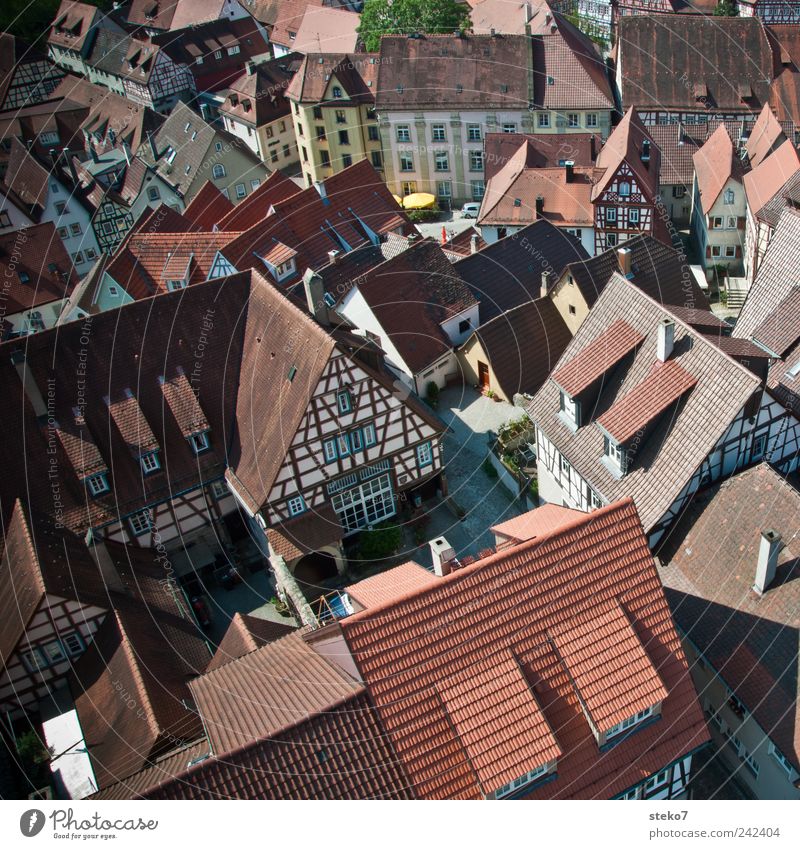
(208, 207)
(245, 634)
(305, 533)
(542, 151)
(597, 358)
(662, 387)
(385, 586)
(536, 523)
(325, 30)
(413, 649)
(765, 136)
(768, 178)
(183, 404)
(624, 146)
(132, 424)
(781, 328)
(276, 188)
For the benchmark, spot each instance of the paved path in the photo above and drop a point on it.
(452, 222)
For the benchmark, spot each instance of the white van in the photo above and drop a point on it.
(470, 210)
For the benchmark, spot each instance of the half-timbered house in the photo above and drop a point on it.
(26, 75)
(625, 196)
(646, 405)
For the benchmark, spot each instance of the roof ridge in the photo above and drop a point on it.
(527, 545)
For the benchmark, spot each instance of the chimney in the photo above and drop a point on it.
(768, 553)
(625, 263)
(333, 256)
(29, 385)
(151, 140)
(545, 287)
(473, 243)
(569, 170)
(126, 149)
(99, 552)
(441, 553)
(527, 12)
(71, 165)
(411, 238)
(250, 67)
(592, 148)
(645, 151)
(321, 190)
(666, 339)
(539, 206)
(315, 296)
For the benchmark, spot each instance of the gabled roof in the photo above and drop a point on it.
(714, 164)
(675, 447)
(659, 53)
(72, 24)
(765, 137)
(411, 295)
(508, 272)
(542, 151)
(767, 179)
(417, 667)
(378, 589)
(535, 523)
(511, 16)
(775, 277)
(523, 344)
(355, 72)
(308, 532)
(624, 147)
(781, 328)
(275, 188)
(710, 562)
(208, 206)
(326, 30)
(29, 180)
(153, 14)
(284, 17)
(245, 634)
(190, 12)
(258, 97)
(660, 271)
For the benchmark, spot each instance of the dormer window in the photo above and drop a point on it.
(570, 411)
(615, 456)
(97, 484)
(199, 442)
(344, 401)
(517, 783)
(150, 462)
(174, 285)
(629, 722)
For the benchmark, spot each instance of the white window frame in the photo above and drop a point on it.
(218, 171)
(296, 505)
(611, 215)
(150, 462)
(141, 522)
(633, 216)
(369, 435)
(403, 132)
(629, 722)
(424, 455)
(199, 442)
(97, 484)
(219, 490)
(474, 132)
(543, 119)
(729, 197)
(343, 401)
(438, 133)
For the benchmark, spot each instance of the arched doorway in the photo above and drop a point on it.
(312, 570)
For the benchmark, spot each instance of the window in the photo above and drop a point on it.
(591, 119)
(716, 250)
(569, 406)
(325, 158)
(678, 191)
(344, 137)
(476, 160)
(473, 132)
(317, 111)
(254, 184)
(657, 780)
(91, 253)
(218, 171)
(199, 442)
(150, 462)
(409, 187)
(509, 128)
(521, 781)
(54, 652)
(356, 440)
(73, 643)
(232, 51)
(424, 455)
(217, 54)
(781, 759)
(33, 660)
(633, 216)
(297, 505)
(729, 196)
(624, 189)
(572, 119)
(730, 251)
(241, 190)
(438, 133)
(366, 504)
(441, 161)
(343, 445)
(344, 401)
(369, 435)
(731, 222)
(75, 229)
(615, 453)
(287, 150)
(140, 522)
(61, 207)
(329, 447)
(372, 133)
(403, 133)
(716, 222)
(48, 138)
(377, 159)
(97, 484)
(594, 499)
(113, 291)
(611, 215)
(341, 117)
(565, 468)
(218, 147)
(444, 189)
(759, 446)
(77, 258)
(219, 490)
(544, 119)
(337, 92)
(628, 723)
(406, 162)
(62, 231)
(320, 133)
(153, 193)
(477, 188)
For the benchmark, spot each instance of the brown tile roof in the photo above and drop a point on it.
(276, 188)
(259, 98)
(675, 447)
(268, 691)
(787, 195)
(245, 634)
(508, 272)
(664, 385)
(700, 319)
(714, 164)
(767, 180)
(284, 16)
(765, 137)
(26, 178)
(511, 16)
(305, 533)
(356, 72)
(428, 71)
(132, 424)
(415, 648)
(146, 653)
(325, 30)
(513, 192)
(710, 564)
(542, 151)
(657, 269)
(781, 328)
(523, 345)
(660, 52)
(624, 146)
(182, 402)
(40, 254)
(72, 24)
(153, 14)
(411, 295)
(535, 523)
(190, 12)
(604, 352)
(772, 283)
(460, 245)
(391, 584)
(343, 753)
(207, 207)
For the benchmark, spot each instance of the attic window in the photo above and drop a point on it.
(187, 126)
(170, 157)
(199, 442)
(551, 81)
(569, 411)
(24, 277)
(337, 92)
(503, 88)
(629, 722)
(97, 484)
(794, 370)
(459, 88)
(399, 89)
(523, 780)
(150, 462)
(517, 202)
(615, 455)
(292, 373)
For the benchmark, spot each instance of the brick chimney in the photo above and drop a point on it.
(315, 296)
(569, 170)
(666, 339)
(625, 262)
(473, 243)
(768, 552)
(539, 206)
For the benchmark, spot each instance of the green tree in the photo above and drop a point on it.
(400, 17)
(726, 9)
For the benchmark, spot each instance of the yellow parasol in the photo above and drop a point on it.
(419, 200)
